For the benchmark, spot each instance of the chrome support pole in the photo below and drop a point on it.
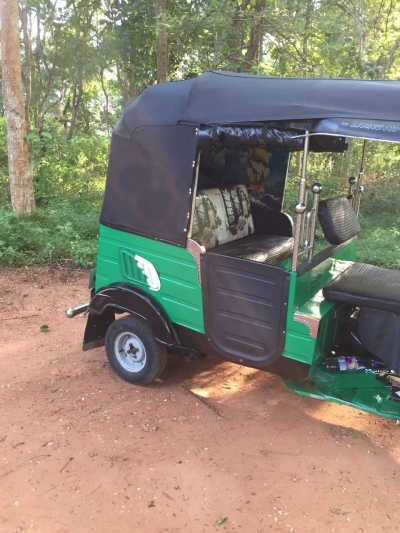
(316, 189)
(350, 193)
(193, 206)
(300, 207)
(360, 190)
(303, 241)
(307, 230)
(359, 187)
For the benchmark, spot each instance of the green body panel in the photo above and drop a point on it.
(305, 297)
(180, 294)
(181, 297)
(354, 388)
(358, 388)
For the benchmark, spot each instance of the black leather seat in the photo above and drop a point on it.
(363, 285)
(223, 225)
(271, 249)
(338, 220)
(360, 285)
(375, 290)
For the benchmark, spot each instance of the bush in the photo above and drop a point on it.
(67, 169)
(66, 231)
(69, 179)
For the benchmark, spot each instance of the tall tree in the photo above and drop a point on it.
(27, 71)
(21, 183)
(160, 7)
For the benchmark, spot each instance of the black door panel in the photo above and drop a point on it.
(245, 306)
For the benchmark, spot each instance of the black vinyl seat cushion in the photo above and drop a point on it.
(364, 285)
(269, 249)
(338, 220)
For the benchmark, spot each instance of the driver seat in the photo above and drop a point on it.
(375, 290)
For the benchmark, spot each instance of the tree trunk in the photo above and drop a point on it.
(23, 12)
(20, 172)
(235, 41)
(127, 85)
(256, 36)
(75, 104)
(106, 104)
(307, 26)
(160, 7)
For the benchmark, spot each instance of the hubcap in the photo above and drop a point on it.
(130, 352)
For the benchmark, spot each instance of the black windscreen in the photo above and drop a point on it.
(264, 172)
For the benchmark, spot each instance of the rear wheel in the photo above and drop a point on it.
(133, 352)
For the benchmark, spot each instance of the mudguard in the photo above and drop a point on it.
(125, 298)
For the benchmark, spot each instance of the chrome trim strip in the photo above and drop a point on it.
(311, 322)
(195, 249)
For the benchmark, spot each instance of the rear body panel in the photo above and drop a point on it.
(180, 292)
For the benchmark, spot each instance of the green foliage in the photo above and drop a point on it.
(65, 231)
(67, 168)
(379, 240)
(69, 179)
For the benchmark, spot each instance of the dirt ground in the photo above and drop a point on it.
(211, 446)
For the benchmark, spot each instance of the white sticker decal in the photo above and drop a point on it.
(149, 272)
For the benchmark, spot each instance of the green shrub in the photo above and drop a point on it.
(66, 231)
(69, 178)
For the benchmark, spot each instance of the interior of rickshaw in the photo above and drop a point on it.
(343, 317)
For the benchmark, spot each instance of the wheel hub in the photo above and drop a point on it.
(130, 352)
(130, 349)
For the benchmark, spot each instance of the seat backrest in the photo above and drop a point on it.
(221, 216)
(338, 220)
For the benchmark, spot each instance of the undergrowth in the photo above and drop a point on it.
(62, 230)
(69, 178)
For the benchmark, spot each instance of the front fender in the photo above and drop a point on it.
(127, 298)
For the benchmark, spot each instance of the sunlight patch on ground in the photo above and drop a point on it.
(202, 393)
(242, 379)
(350, 418)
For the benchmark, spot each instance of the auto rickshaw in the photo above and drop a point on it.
(197, 255)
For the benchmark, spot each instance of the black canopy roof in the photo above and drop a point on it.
(150, 179)
(229, 98)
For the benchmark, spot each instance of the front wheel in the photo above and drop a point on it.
(133, 352)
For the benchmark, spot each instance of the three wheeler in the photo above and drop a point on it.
(196, 255)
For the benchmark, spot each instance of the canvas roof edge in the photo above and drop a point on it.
(229, 98)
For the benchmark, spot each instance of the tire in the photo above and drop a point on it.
(133, 352)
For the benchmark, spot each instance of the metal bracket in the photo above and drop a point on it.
(311, 322)
(195, 249)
